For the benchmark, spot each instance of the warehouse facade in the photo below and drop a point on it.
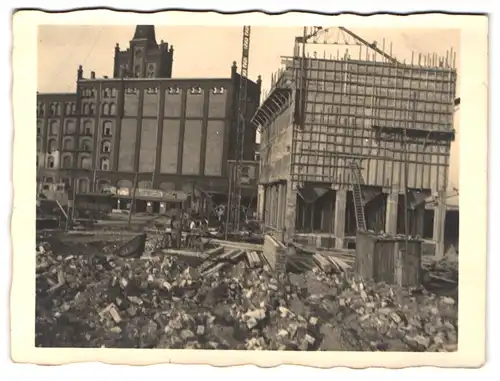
(166, 134)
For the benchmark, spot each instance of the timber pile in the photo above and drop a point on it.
(227, 298)
(445, 269)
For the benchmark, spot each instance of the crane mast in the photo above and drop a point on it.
(234, 199)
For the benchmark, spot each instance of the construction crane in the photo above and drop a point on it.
(234, 196)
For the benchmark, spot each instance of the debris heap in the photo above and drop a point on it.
(228, 300)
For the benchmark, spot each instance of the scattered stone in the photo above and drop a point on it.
(135, 300)
(252, 322)
(157, 302)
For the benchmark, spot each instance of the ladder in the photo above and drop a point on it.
(357, 182)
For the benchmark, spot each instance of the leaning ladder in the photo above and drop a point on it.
(357, 182)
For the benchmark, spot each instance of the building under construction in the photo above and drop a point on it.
(348, 141)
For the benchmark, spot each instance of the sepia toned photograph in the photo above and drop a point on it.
(250, 188)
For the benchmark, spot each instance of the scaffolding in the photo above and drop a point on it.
(360, 122)
(360, 107)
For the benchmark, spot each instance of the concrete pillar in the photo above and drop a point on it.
(275, 205)
(340, 206)
(266, 205)
(419, 220)
(290, 208)
(439, 222)
(279, 222)
(283, 205)
(391, 216)
(271, 204)
(278, 206)
(260, 202)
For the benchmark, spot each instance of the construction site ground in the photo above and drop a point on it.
(229, 298)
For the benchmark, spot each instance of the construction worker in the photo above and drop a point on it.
(176, 232)
(190, 228)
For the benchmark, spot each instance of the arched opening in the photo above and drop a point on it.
(107, 128)
(92, 109)
(54, 127)
(83, 185)
(106, 146)
(87, 128)
(85, 162)
(104, 164)
(112, 109)
(51, 162)
(66, 161)
(52, 145)
(86, 145)
(70, 127)
(67, 144)
(39, 109)
(38, 127)
(86, 109)
(105, 109)
(38, 145)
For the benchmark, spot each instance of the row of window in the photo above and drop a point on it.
(84, 162)
(68, 145)
(88, 108)
(70, 128)
(55, 109)
(106, 109)
(107, 92)
(194, 90)
(70, 109)
(150, 70)
(112, 93)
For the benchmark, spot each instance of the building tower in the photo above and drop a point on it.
(145, 58)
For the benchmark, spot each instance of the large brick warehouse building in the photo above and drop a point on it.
(167, 133)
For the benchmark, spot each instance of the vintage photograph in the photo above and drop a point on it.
(303, 200)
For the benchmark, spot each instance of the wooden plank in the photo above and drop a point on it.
(210, 260)
(253, 259)
(239, 245)
(323, 263)
(185, 253)
(219, 265)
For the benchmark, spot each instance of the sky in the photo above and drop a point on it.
(202, 51)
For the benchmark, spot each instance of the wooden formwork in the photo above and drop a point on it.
(346, 103)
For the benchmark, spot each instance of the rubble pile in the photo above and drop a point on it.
(160, 301)
(390, 318)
